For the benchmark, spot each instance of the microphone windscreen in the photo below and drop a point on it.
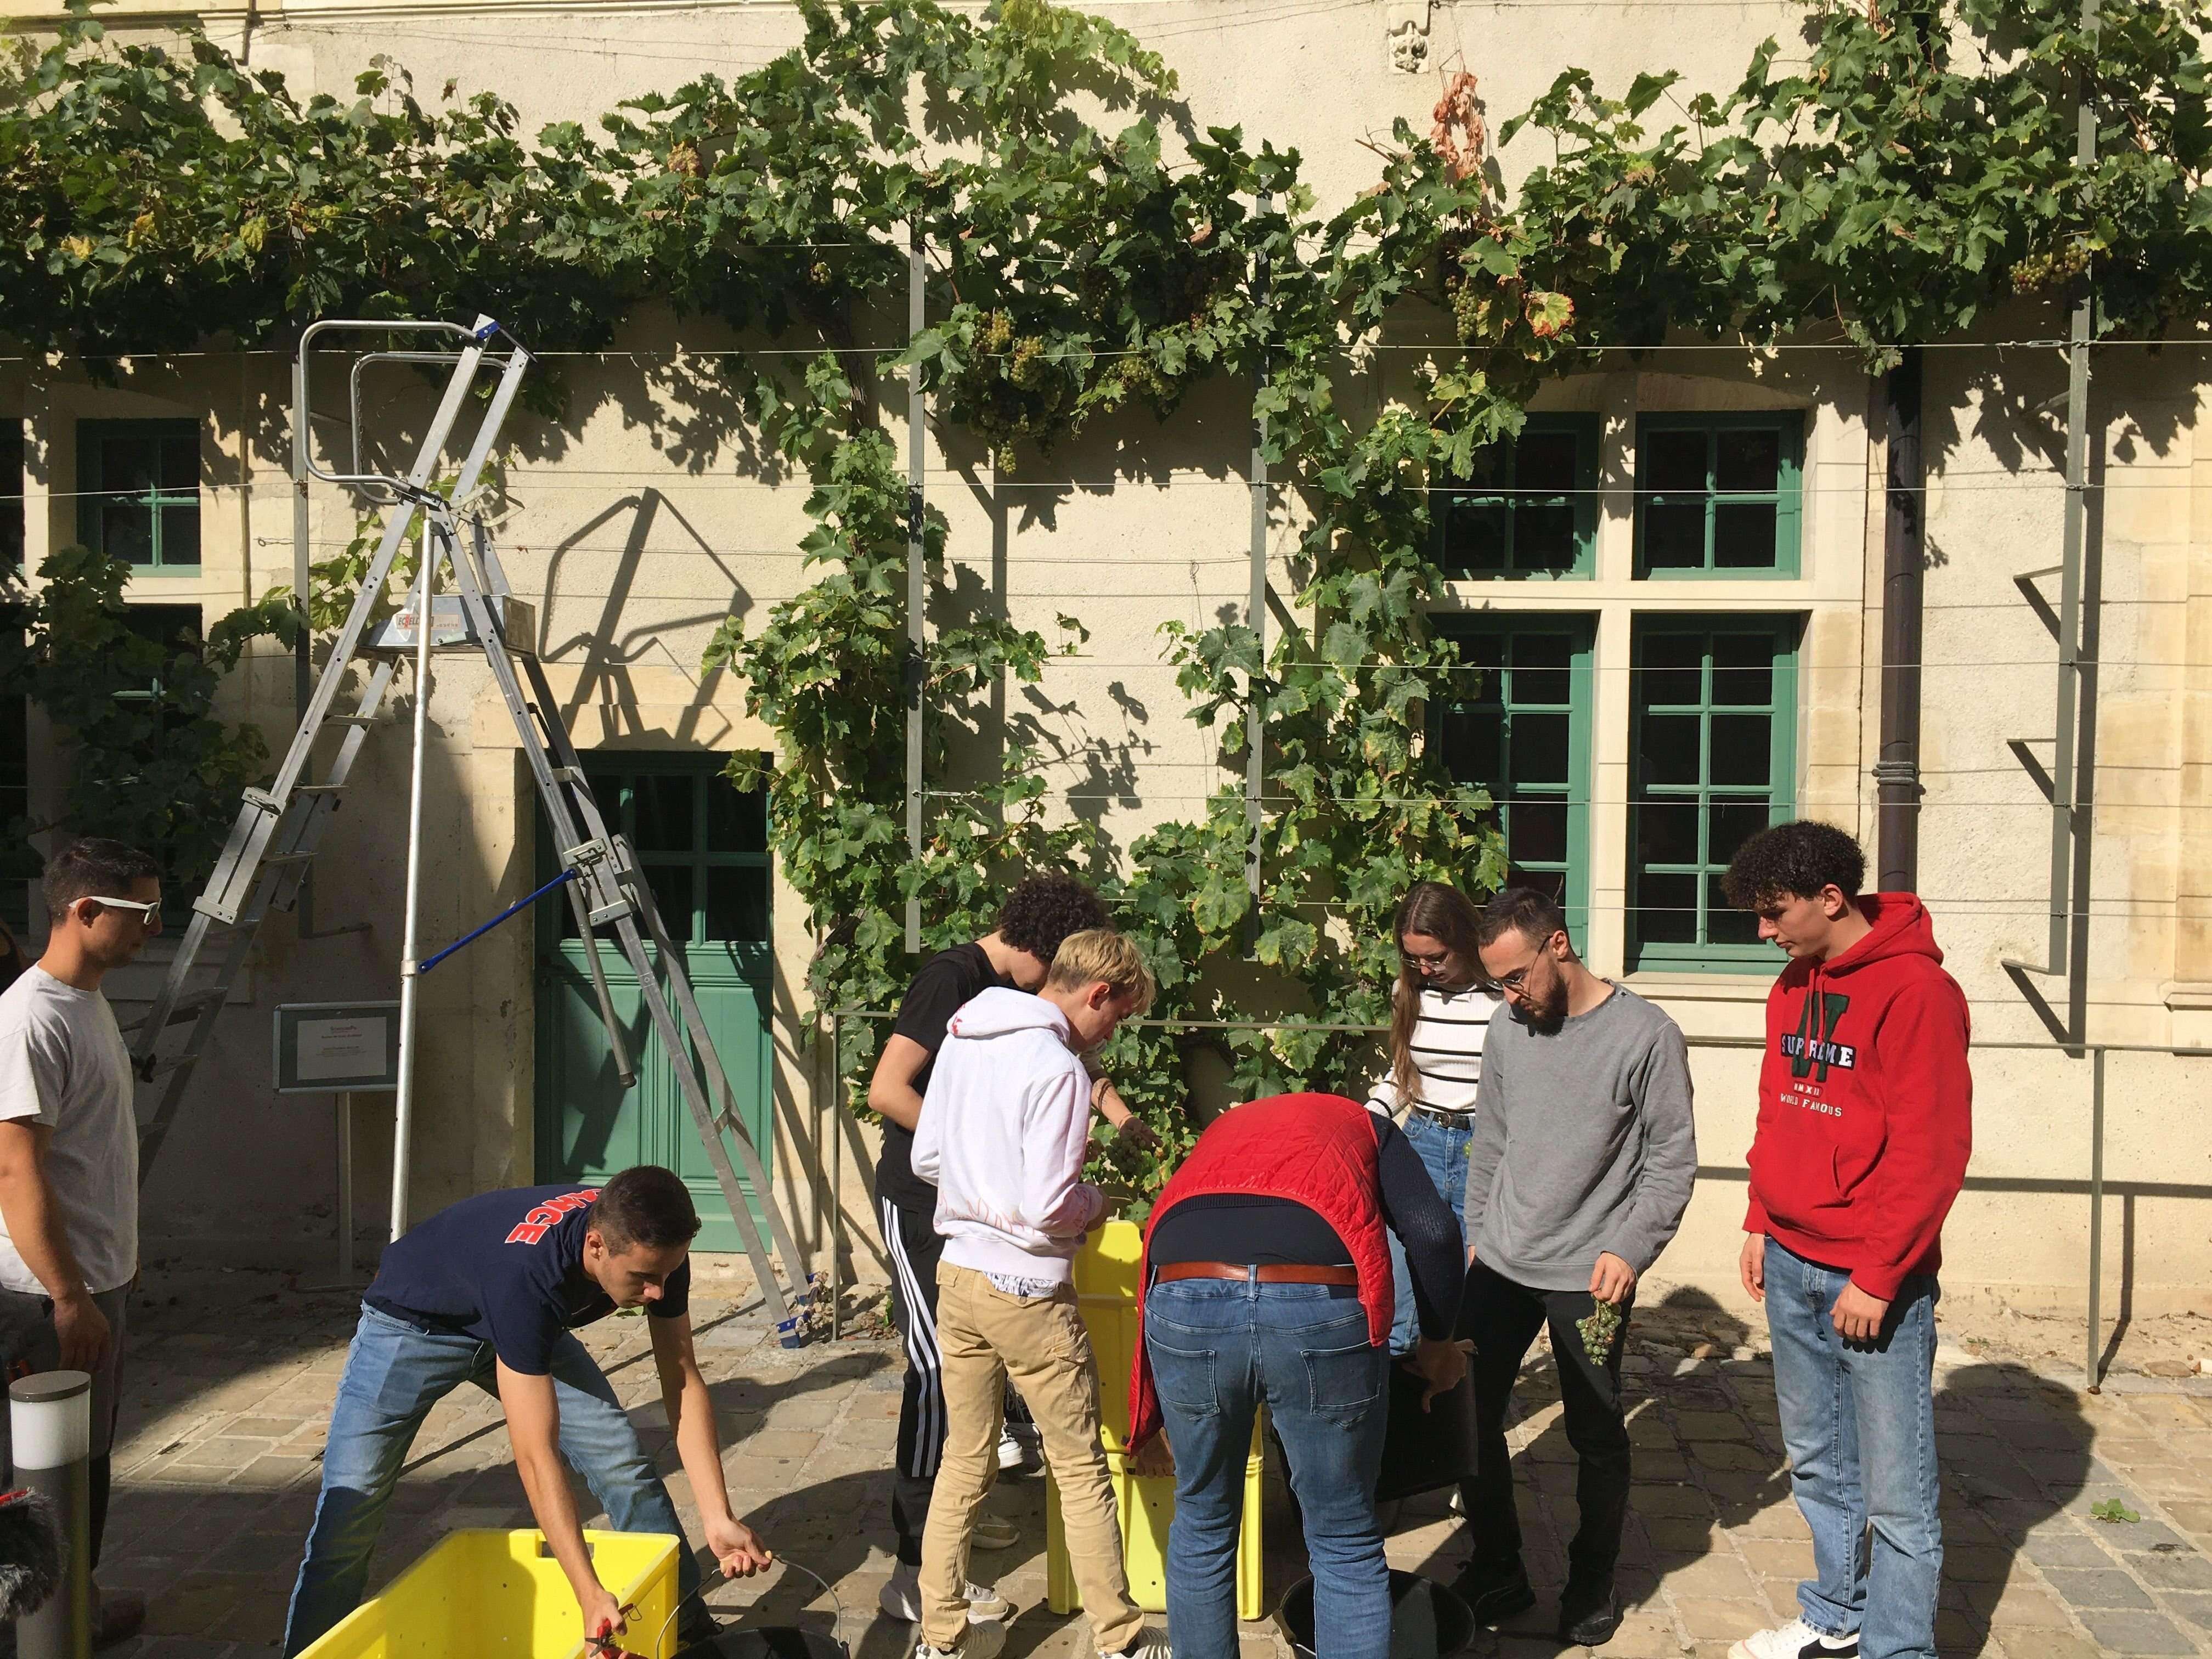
(31, 1553)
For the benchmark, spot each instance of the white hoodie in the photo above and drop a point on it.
(1005, 1129)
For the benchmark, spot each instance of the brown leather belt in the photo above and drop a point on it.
(1265, 1272)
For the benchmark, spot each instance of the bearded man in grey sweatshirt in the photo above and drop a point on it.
(1580, 1168)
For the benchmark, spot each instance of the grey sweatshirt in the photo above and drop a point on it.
(1582, 1143)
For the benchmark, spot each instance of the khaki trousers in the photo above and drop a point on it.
(983, 1337)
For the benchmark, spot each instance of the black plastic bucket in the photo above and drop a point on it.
(1427, 1621)
(1424, 1449)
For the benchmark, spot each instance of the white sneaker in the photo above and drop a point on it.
(994, 1532)
(982, 1642)
(900, 1598)
(1020, 1450)
(1151, 1644)
(1796, 1640)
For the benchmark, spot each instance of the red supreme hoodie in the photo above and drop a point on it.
(1865, 1103)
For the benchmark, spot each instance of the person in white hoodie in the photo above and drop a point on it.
(1005, 1130)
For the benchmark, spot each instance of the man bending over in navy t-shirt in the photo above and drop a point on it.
(488, 1291)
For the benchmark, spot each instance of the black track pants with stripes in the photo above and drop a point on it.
(914, 1246)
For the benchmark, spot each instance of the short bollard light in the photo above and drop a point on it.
(49, 1421)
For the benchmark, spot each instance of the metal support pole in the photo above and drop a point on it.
(2091, 1380)
(837, 1177)
(303, 667)
(402, 1120)
(2069, 581)
(345, 1189)
(1256, 709)
(50, 1428)
(917, 577)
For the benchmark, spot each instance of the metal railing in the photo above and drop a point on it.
(825, 1100)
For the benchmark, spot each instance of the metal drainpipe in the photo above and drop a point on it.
(1897, 772)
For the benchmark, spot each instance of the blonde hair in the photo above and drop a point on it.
(1101, 955)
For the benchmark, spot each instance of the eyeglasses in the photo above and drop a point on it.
(1412, 959)
(150, 915)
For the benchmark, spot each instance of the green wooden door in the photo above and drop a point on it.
(704, 849)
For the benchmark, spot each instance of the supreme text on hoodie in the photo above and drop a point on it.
(1865, 1103)
(1005, 1129)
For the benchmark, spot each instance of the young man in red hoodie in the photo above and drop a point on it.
(1864, 1127)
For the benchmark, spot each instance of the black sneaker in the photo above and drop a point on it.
(1588, 1620)
(1493, 1596)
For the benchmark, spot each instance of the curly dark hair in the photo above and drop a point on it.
(1798, 858)
(1043, 910)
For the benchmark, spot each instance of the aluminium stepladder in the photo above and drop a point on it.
(278, 829)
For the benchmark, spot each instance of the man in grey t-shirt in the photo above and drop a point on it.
(68, 1154)
(1579, 1169)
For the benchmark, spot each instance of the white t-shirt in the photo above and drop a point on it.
(63, 1061)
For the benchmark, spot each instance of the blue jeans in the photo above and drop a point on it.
(1219, 1348)
(1442, 1152)
(394, 1374)
(1858, 1420)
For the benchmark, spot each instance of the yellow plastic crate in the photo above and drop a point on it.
(1106, 1290)
(491, 1595)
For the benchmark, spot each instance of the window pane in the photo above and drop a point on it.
(1672, 671)
(180, 464)
(1540, 663)
(1667, 834)
(1474, 535)
(1733, 823)
(1743, 536)
(672, 893)
(1468, 744)
(737, 822)
(1745, 461)
(127, 465)
(1742, 749)
(1743, 670)
(126, 531)
(1667, 912)
(1484, 650)
(180, 535)
(1540, 748)
(1667, 751)
(1489, 468)
(1675, 461)
(664, 812)
(1545, 463)
(737, 903)
(1536, 832)
(607, 792)
(1674, 536)
(1725, 925)
(1544, 539)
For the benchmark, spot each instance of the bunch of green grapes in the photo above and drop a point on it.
(1599, 1330)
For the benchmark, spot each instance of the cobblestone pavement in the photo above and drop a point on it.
(231, 1377)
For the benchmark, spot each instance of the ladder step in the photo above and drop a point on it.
(317, 788)
(187, 1007)
(285, 860)
(350, 719)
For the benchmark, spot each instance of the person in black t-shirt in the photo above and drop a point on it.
(488, 1291)
(1038, 913)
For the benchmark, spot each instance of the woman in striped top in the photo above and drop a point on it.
(1440, 1012)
